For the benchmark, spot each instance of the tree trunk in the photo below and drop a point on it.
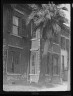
(43, 67)
(46, 46)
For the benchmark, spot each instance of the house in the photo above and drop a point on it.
(23, 47)
(16, 42)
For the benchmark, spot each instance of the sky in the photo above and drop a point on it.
(67, 12)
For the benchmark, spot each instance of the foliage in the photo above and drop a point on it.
(45, 13)
(52, 17)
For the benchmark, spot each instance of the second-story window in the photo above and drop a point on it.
(15, 25)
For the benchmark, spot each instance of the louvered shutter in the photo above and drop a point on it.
(24, 31)
(20, 27)
(10, 20)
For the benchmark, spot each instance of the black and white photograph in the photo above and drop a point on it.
(36, 47)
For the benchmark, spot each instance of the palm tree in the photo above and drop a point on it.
(52, 19)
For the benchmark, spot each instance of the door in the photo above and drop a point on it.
(34, 67)
(13, 65)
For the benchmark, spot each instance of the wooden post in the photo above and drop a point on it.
(68, 87)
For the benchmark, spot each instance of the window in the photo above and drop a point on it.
(15, 25)
(63, 43)
(55, 64)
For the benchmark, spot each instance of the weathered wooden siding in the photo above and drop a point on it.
(23, 42)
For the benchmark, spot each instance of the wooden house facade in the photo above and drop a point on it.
(16, 42)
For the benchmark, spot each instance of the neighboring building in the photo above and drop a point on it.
(16, 42)
(65, 53)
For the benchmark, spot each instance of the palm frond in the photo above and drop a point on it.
(48, 12)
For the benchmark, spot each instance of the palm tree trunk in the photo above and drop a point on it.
(43, 68)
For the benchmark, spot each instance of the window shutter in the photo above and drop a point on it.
(20, 27)
(9, 21)
(24, 31)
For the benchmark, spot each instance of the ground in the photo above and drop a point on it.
(35, 87)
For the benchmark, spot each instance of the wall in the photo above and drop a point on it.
(23, 42)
